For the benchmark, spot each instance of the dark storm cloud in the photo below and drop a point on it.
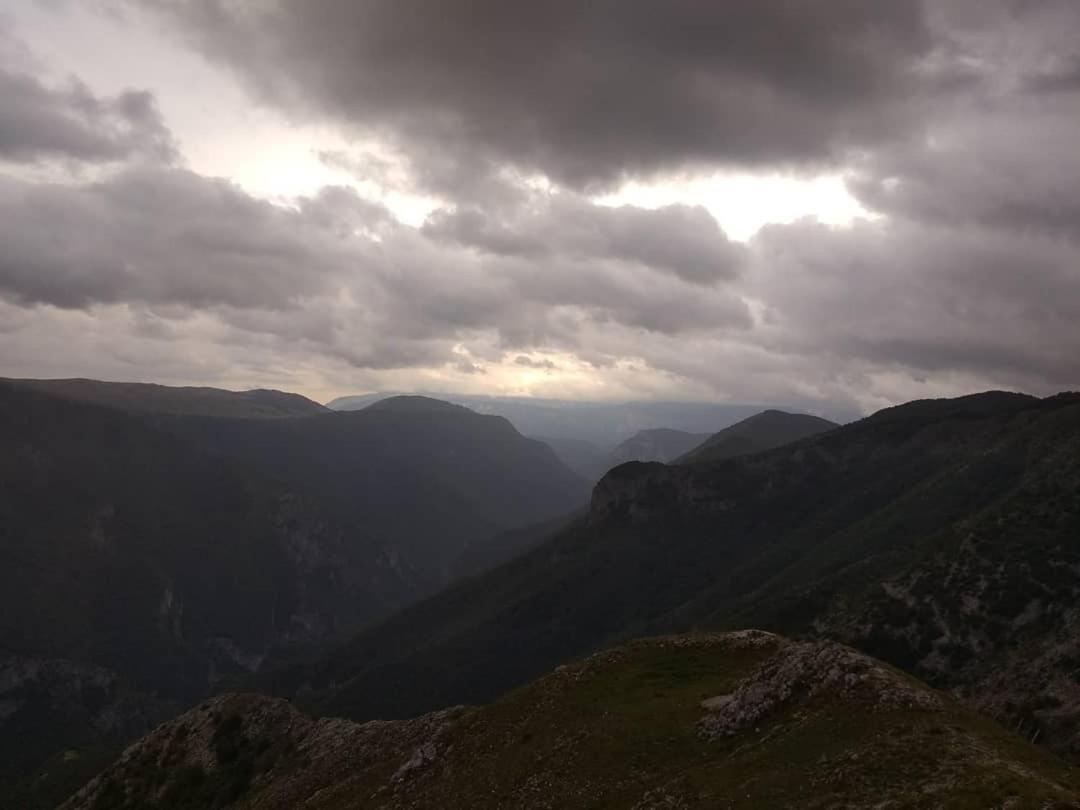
(67, 121)
(587, 93)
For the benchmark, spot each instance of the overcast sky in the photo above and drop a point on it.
(841, 204)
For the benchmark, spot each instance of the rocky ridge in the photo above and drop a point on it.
(737, 720)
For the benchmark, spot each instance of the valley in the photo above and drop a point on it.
(383, 566)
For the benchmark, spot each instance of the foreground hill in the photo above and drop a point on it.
(657, 444)
(745, 719)
(760, 432)
(941, 535)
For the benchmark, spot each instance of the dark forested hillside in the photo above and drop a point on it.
(134, 563)
(428, 477)
(152, 546)
(955, 520)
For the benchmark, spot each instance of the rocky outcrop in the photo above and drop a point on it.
(235, 746)
(638, 492)
(800, 672)
(811, 725)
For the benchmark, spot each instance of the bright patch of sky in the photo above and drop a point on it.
(744, 203)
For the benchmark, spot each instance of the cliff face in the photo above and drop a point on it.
(643, 492)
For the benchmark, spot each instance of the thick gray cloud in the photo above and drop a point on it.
(682, 240)
(924, 298)
(42, 121)
(337, 272)
(588, 93)
(165, 236)
(954, 122)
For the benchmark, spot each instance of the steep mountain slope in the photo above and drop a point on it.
(805, 538)
(760, 432)
(740, 720)
(427, 477)
(588, 460)
(149, 550)
(164, 399)
(483, 555)
(657, 444)
(133, 563)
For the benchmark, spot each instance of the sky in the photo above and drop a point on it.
(838, 205)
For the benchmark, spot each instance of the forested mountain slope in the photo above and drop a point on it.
(830, 535)
(157, 540)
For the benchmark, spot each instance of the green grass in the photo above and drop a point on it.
(620, 729)
(600, 735)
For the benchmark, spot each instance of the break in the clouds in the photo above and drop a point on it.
(952, 123)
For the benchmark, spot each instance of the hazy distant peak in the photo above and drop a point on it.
(412, 403)
(762, 431)
(656, 444)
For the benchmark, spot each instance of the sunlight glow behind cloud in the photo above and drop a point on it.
(744, 203)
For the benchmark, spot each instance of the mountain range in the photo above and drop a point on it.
(938, 535)
(755, 434)
(604, 424)
(157, 541)
(919, 565)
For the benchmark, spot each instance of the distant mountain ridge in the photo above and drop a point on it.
(182, 401)
(755, 434)
(657, 444)
(604, 424)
